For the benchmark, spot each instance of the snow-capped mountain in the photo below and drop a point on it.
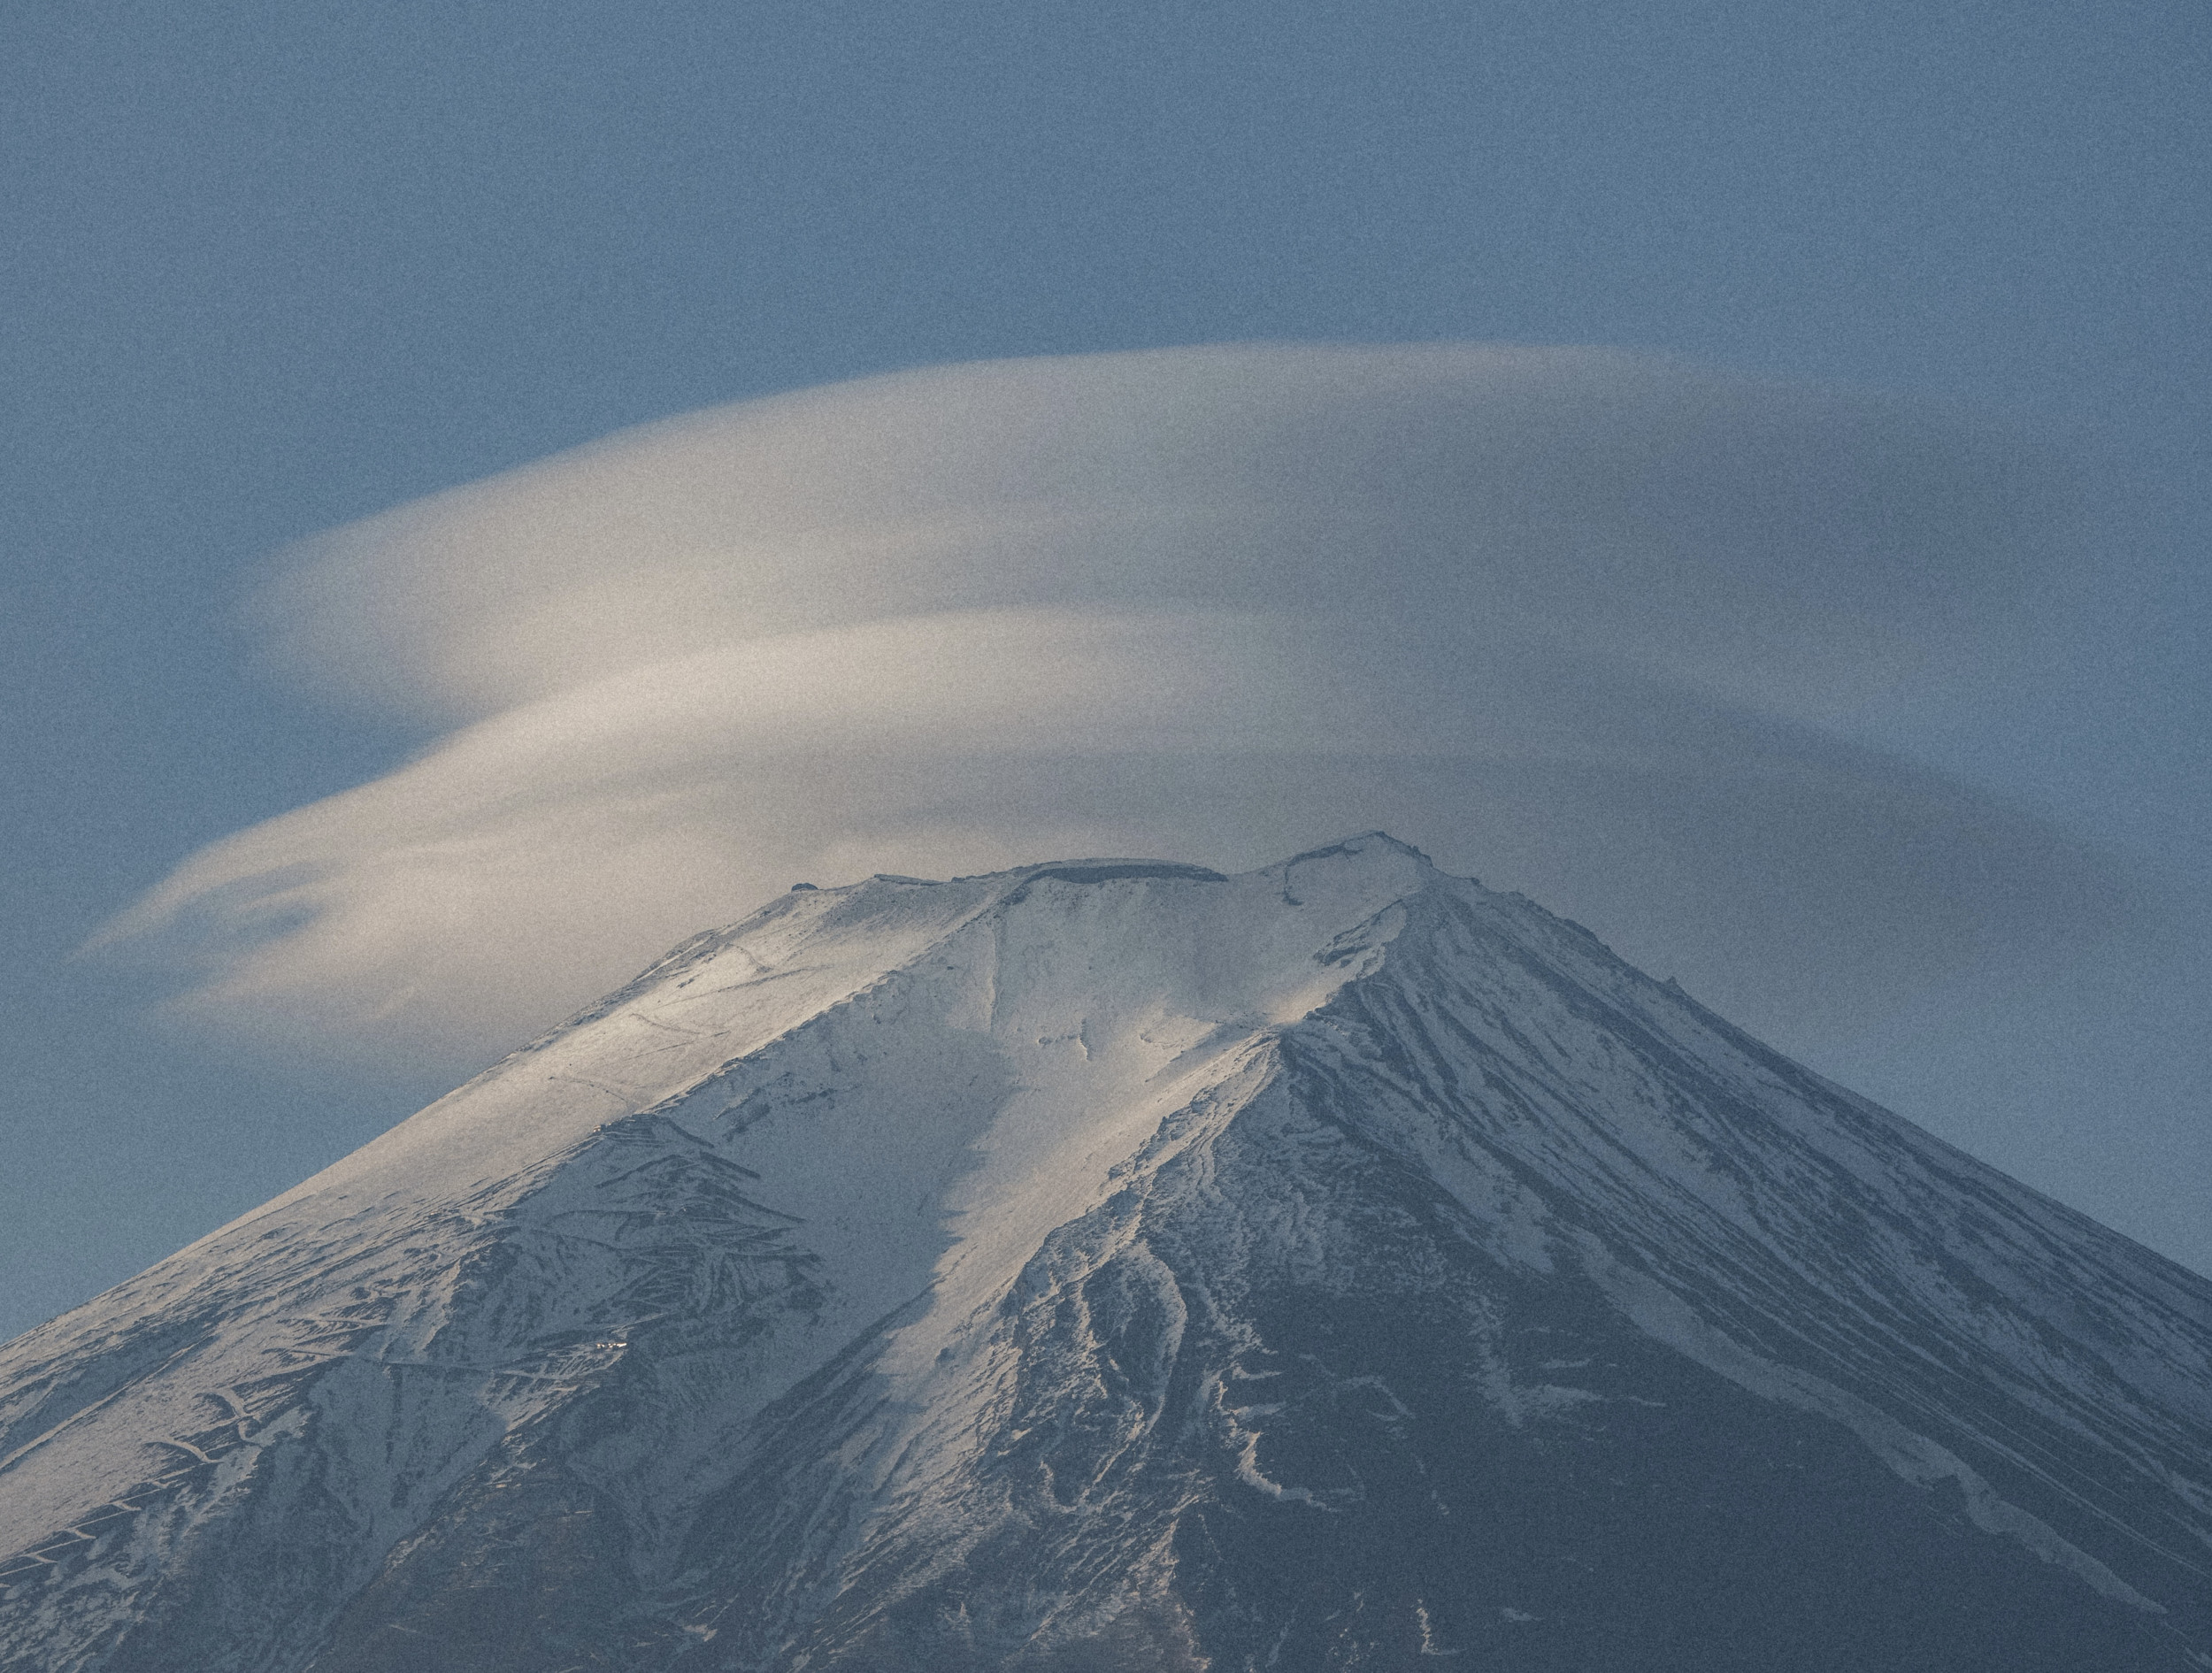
(1119, 1266)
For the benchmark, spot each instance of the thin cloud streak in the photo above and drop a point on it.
(1576, 620)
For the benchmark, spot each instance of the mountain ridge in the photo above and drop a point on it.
(600, 1351)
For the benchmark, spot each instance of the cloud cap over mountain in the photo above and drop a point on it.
(1579, 620)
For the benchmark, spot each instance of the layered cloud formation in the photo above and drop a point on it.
(1580, 622)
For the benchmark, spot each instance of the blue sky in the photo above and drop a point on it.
(271, 270)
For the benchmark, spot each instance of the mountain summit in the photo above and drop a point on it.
(1116, 1266)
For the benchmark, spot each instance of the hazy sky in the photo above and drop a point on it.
(1824, 622)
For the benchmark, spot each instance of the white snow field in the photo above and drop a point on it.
(1114, 1265)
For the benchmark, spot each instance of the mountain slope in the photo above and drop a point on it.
(1116, 1265)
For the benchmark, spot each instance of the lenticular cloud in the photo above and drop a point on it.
(1581, 622)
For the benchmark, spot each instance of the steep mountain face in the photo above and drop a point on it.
(1118, 1266)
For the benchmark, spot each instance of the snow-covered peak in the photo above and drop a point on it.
(1084, 950)
(1338, 1256)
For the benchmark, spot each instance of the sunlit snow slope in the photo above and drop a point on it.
(1118, 1266)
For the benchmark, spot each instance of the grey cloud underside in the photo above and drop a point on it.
(1119, 1266)
(1583, 622)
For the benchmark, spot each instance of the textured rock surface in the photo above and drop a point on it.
(1115, 1266)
